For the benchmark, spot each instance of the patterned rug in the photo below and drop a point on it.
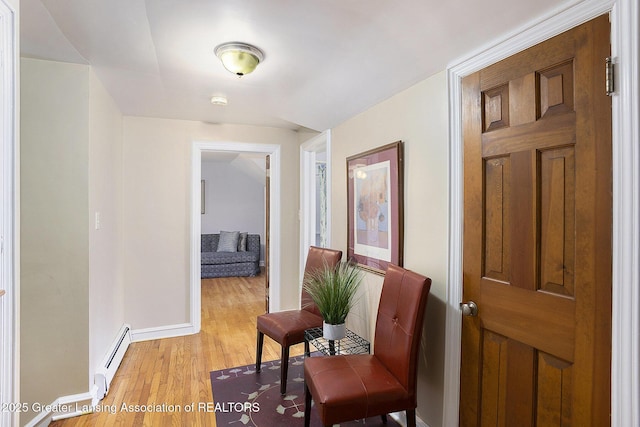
(244, 397)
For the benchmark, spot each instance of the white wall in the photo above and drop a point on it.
(417, 116)
(234, 196)
(156, 213)
(54, 230)
(106, 289)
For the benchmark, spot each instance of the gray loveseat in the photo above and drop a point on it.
(229, 264)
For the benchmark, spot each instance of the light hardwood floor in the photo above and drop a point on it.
(175, 371)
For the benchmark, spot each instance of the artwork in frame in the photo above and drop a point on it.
(375, 207)
(202, 211)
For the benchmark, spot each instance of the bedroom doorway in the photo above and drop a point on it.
(272, 222)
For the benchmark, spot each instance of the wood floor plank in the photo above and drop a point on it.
(174, 372)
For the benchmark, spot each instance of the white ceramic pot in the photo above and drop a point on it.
(333, 332)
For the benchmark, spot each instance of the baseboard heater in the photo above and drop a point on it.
(111, 362)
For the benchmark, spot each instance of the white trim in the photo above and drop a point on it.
(273, 150)
(195, 297)
(10, 217)
(401, 418)
(308, 150)
(453, 322)
(626, 188)
(625, 375)
(63, 407)
(161, 332)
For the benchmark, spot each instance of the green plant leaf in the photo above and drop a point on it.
(334, 290)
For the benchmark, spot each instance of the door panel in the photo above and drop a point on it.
(537, 236)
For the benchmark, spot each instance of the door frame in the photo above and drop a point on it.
(273, 151)
(10, 218)
(625, 30)
(308, 152)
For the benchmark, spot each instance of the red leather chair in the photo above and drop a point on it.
(356, 386)
(287, 327)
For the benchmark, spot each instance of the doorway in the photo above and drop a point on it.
(625, 27)
(315, 195)
(273, 215)
(537, 235)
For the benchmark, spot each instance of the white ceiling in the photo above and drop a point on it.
(250, 164)
(325, 60)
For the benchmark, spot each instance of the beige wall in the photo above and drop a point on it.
(417, 116)
(79, 156)
(79, 284)
(54, 319)
(157, 217)
(106, 289)
(72, 298)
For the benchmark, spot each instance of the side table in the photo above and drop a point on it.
(352, 343)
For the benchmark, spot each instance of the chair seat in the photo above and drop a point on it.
(287, 327)
(353, 387)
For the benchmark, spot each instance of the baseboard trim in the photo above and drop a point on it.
(64, 407)
(401, 418)
(160, 332)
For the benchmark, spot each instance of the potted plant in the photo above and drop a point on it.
(333, 290)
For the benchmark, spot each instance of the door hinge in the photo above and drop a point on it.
(609, 81)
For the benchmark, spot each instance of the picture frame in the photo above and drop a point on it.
(375, 207)
(202, 210)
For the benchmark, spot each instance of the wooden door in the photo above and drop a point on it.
(537, 236)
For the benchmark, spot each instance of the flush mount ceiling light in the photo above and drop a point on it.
(239, 58)
(219, 100)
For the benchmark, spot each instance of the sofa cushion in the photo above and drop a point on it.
(229, 257)
(209, 242)
(228, 241)
(242, 242)
(230, 270)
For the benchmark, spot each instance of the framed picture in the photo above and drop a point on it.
(375, 207)
(202, 211)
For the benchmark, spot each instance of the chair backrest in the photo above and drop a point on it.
(318, 258)
(399, 323)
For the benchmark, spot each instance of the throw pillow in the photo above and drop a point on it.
(228, 241)
(242, 242)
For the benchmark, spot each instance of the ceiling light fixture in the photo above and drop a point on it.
(219, 100)
(239, 58)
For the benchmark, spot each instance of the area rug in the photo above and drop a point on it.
(244, 397)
